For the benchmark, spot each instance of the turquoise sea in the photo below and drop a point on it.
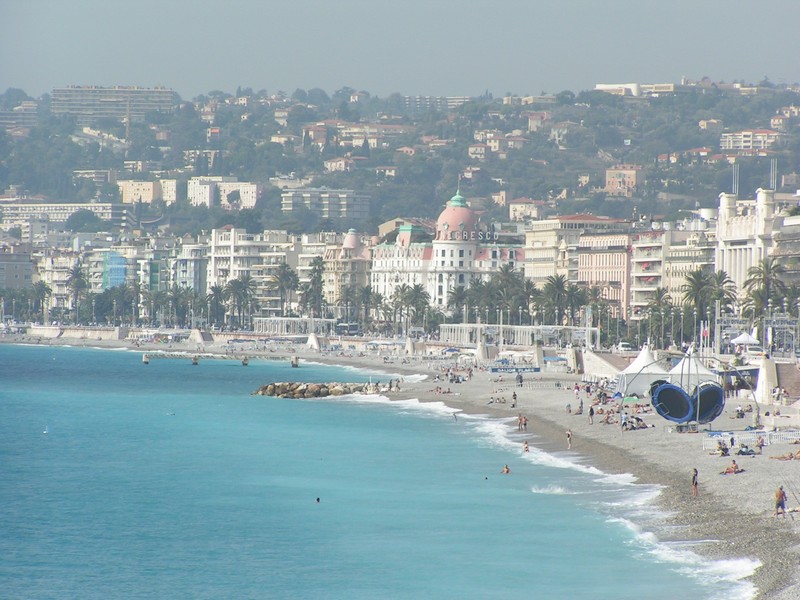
(167, 480)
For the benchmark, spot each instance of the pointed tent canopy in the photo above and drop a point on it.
(640, 374)
(744, 338)
(313, 342)
(644, 362)
(690, 372)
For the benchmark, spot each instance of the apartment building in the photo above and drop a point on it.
(89, 103)
(16, 267)
(226, 192)
(59, 212)
(749, 139)
(328, 203)
(347, 271)
(551, 245)
(604, 262)
(139, 191)
(624, 180)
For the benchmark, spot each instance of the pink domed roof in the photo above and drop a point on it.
(351, 240)
(456, 217)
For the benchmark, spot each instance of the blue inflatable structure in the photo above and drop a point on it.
(709, 398)
(674, 404)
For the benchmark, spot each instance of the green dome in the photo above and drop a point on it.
(457, 200)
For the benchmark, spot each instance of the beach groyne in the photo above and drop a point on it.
(291, 389)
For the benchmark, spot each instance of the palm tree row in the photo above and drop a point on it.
(25, 304)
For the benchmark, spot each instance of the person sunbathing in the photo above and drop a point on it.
(733, 469)
(788, 456)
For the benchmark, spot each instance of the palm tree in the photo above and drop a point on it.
(533, 297)
(722, 289)
(767, 276)
(457, 299)
(660, 305)
(596, 301)
(41, 292)
(76, 282)
(287, 281)
(695, 291)
(347, 298)
(216, 300)
(240, 292)
(555, 297)
(419, 300)
(314, 297)
(365, 298)
(479, 296)
(178, 297)
(400, 301)
(575, 299)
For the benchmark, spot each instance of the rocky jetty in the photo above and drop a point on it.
(291, 389)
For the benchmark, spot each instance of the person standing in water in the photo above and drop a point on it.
(569, 439)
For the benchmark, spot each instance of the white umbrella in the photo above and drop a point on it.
(744, 338)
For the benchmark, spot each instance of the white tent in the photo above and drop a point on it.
(745, 338)
(637, 376)
(690, 372)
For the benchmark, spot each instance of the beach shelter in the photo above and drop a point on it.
(690, 372)
(637, 377)
(767, 381)
(313, 342)
(744, 339)
(481, 352)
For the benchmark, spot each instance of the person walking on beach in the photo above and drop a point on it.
(591, 415)
(695, 493)
(569, 439)
(780, 502)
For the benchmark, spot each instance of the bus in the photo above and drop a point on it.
(348, 329)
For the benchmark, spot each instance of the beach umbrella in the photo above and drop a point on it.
(744, 338)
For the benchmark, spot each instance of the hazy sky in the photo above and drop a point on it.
(432, 47)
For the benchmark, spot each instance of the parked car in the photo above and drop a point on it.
(624, 347)
(754, 350)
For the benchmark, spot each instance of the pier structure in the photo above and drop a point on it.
(472, 334)
(293, 326)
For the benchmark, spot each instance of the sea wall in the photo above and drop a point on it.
(80, 333)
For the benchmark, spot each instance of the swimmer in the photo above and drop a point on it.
(525, 446)
(317, 500)
(505, 470)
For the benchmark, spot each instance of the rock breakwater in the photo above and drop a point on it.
(291, 389)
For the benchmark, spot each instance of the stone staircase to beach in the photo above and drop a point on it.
(789, 379)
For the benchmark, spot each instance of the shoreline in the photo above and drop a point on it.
(731, 519)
